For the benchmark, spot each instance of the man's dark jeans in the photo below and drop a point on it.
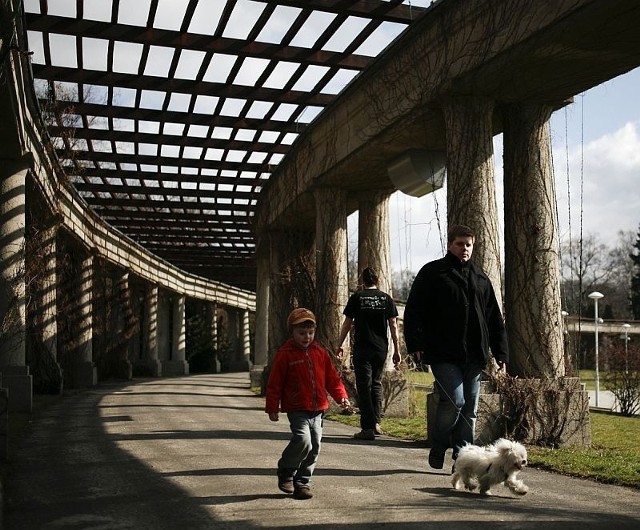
(369, 370)
(459, 389)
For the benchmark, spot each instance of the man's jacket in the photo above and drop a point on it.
(436, 316)
(302, 380)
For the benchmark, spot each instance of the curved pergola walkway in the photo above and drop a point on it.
(198, 452)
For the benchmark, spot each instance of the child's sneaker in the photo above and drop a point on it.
(302, 493)
(285, 481)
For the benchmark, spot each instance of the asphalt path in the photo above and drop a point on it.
(198, 452)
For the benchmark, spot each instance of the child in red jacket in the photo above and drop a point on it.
(302, 376)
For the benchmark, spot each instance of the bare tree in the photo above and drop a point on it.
(590, 265)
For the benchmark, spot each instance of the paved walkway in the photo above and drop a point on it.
(198, 452)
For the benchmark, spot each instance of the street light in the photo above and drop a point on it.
(595, 296)
(626, 327)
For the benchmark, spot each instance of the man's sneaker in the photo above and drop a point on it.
(365, 434)
(285, 482)
(302, 493)
(436, 458)
(378, 430)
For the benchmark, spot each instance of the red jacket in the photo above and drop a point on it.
(302, 380)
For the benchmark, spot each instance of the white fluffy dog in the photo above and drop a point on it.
(493, 464)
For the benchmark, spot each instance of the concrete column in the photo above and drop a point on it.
(261, 341)
(245, 334)
(13, 368)
(48, 329)
(150, 330)
(332, 286)
(177, 365)
(211, 324)
(85, 373)
(374, 247)
(279, 293)
(43, 312)
(237, 327)
(125, 318)
(532, 261)
(471, 193)
(212, 309)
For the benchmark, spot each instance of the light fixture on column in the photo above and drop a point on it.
(417, 172)
(595, 296)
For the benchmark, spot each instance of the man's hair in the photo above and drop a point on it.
(369, 277)
(457, 231)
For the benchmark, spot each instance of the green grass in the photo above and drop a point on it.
(613, 458)
(614, 455)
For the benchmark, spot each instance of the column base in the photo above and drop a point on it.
(19, 384)
(256, 375)
(175, 368)
(557, 417)
(85, 375)
(4, 427)
(239, 365)
(147, 368)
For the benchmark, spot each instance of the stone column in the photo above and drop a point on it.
(374, 247)
(85, 370)
(279, 305)
(532, 261)
(213, 308)
(261, 341)
(211, 324)
(44, 311)
(471, 194)
(150, 330)
(177, 365)
(48, 328)
(13, 369)
(245, 333)
(125, 319)
(238, 328)
(332, 286)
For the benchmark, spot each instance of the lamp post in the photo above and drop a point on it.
(626, 327)
(595, 296)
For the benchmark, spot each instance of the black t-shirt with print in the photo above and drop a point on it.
(370, 310)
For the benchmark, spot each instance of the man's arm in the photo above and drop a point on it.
(393, 327)
(344, 331)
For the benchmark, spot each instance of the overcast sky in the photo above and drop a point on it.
(597, 138)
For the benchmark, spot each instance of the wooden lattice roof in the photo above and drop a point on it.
(170, 115)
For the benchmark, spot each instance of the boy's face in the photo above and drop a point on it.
(303, 335)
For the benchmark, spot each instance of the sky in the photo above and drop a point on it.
(597, 138)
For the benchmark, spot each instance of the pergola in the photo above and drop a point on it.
(169, 116)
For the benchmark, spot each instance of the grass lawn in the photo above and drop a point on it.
(614, 455)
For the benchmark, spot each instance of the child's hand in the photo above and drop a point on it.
(273, 416)
(344, 403)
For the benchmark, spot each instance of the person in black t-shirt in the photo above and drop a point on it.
(372, 312)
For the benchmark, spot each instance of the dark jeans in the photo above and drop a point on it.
(368, 370)
(459, 389)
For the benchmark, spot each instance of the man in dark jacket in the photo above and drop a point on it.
(453, 323)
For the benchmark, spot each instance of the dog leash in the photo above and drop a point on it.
(441, 389)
